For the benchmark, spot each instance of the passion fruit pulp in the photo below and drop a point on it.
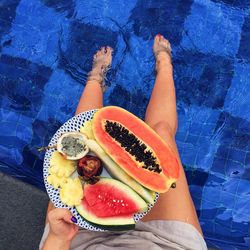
(72, 145)
(89, 166)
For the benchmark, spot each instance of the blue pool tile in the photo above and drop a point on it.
(191, 139)
(8, 128)
(223, 152)
(237, 155)
(207, 129)
(230, 185)
(227, 200)
(201, 26)
(41, 35)
(238, 95)
(42, 133)
(62, 6)
(153, 17)
(230, 135)
(189, 155)
(24, 89)
(196, 190)
(209, 210)
(181, 136)
(240, 227)
(219, 165)
(195, 127)
(208, 226)
(215, 180)
(241, 207)
(234, 3)
(248, 159)
(196, 176)
(243, 188)
(223, 217)
(195, 147)
(56, 96)
(7, 15)
(223, 232)
(244, 49)
(211, 193)
(113, 20)
(234, 169)
(119, 96)
(209, 86)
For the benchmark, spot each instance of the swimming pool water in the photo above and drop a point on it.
(46, 49)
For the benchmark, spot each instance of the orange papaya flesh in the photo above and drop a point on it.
(160, 179)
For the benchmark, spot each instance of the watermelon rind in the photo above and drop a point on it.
(116, 223)
(121, 222)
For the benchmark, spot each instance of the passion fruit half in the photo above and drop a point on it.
(72, 145)
(89, 166)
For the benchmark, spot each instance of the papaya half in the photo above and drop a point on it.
(136, 148)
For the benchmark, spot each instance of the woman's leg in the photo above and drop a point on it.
(92, 95)
(176, 204)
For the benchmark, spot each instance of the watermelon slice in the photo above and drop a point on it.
(110, 203)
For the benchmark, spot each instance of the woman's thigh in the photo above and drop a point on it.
(176, 204)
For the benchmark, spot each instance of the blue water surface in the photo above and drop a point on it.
(46, 49)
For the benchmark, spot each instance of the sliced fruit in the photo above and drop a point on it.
(110, 197)
(89, 166)
(72, 145)
(56, 181)
(110, 204)
(60, 166)
(116, 223)
(71, 193)
(116, 172)
(86, 129)
(136, 148)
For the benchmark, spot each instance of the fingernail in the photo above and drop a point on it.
(159, 34)
(73, 219)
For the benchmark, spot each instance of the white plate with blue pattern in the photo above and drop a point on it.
(73, 125)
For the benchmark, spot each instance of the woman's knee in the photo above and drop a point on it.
(163, 129)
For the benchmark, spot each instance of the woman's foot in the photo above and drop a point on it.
(162, 52)
(101, 64)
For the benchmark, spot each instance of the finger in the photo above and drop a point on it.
(60, 214)
(76, 228)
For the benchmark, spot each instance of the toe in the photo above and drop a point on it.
(99, 52)
(109, 50)
(103, 50)
(165, 42)
(157, 37)
(161, 38)
(95, 55)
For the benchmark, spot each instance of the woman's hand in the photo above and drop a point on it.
(62, 229)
